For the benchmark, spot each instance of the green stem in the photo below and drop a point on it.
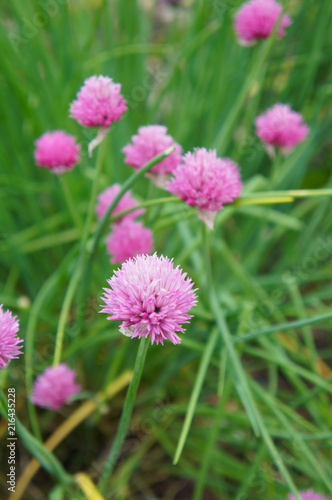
(125, 187)
(212, 437)
(70, 292)
(92, 203)
(259, 197)
(240, 378)
(205, 361)
(36, 307)
(226, 129)
(149, 203)
(78, 270)
(292, 325)
(294, 193)
(126, 415)
(73, 209)
(275, 168)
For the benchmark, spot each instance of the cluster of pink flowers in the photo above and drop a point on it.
(256, 19)
(128, 238)
(148, 143)
(206, 182)
(150, 297)
(127, 202)
(10, 343)
(54, 387)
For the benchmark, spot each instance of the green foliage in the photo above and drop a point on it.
(258, 395)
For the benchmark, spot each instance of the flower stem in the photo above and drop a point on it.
(126, 186)
(275, 168)
(88, 220)
(78, 270)
(294, 193)
(204, 364)
(144, 204)
(240, 378)
(125, 416)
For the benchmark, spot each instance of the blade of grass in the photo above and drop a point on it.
(205, 361)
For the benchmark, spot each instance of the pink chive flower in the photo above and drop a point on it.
(148, 143)
(99, 103)
(308, 495)
(129, 239)
(10, 347)
(57, 151)
(282, 127)
(54, 387)
(127, 201)
(256, 19)
(150, 297)
(206, 182)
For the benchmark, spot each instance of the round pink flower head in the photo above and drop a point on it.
(308, 495)
(206, 182)
(99, 103)
(256, 19)
(148, 143)
(54, 387)
(281, 127)
(129, 239)
(150, 297)
(57, 151)
(127, 201)
(10, 347)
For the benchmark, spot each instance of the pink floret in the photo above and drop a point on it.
(54, 387)
(10, 347)
(127, 201)
(57, 151)
(129, 239)
(308, 495)
(148, 143)
(281, 126)
(256, 19)
(150, 297)
(205, 181)
(99, 102)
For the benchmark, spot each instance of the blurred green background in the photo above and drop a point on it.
(179, 65)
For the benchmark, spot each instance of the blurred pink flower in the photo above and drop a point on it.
(207, 182)
(10, 347)
(129, 239)
(99, 102)
(57, 151)
(148, 143)
(127, 201)
(150, 297)
(54, 387)
(308, 495)
(256, 19)
(282, 127)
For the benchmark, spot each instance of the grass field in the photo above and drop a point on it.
(243, 404)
